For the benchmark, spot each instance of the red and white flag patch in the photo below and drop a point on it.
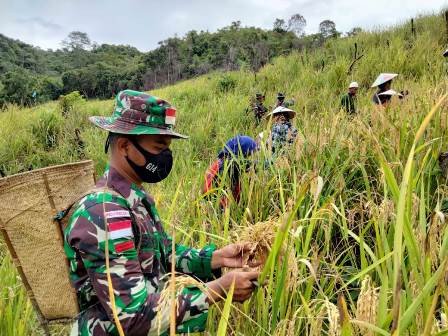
(117, 214)
(121, 229)
(125, 246)
(170, 116)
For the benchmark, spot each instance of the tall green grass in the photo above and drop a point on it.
(358, 200)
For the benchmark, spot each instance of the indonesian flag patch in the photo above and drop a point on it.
(125, 246)
(170, 116)
(121, 229)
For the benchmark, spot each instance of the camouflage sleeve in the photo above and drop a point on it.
(197, 262)
(135, 304)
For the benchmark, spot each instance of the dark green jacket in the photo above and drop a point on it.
(348, 103)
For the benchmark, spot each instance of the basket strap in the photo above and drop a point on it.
(64, 213)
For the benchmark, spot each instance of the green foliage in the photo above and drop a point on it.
(226, 83)
(18, 87)
(227, 49)
(50, 88)
(327, 29)
(100, 71)
(69, 102)
(16, 312)
(76, 40)
(47, 129)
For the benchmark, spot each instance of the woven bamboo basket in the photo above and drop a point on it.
(28, 204)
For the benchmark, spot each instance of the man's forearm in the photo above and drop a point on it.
(215, 291)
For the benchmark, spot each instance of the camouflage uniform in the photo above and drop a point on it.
(139, 254)
(139, 248)
(257, 107)
(259, 110)
(280, 100)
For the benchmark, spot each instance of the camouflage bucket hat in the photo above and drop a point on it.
(139, 113)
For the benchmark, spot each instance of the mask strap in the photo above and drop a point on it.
(107, 144)
(139, 147)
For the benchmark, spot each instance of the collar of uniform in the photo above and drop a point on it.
(133, 193)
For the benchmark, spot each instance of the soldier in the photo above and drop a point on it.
(348, 100)
(235, 153)
(280, 99)
(258, 107)
(115, 241)
(283, 132)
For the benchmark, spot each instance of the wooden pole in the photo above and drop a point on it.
(446, 24)
(356, 58)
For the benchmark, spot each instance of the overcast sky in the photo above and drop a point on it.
(142, 23)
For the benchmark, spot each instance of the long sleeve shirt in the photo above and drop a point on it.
(139, 256)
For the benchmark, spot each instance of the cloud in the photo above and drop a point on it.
(40, 23)
(142, 23)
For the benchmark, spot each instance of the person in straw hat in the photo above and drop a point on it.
(120, 214)
(348, 100)
(386, 97)
(384, 83)
(283, 132)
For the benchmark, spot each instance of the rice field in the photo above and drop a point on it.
(351, 221)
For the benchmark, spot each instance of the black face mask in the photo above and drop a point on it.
(157, 166)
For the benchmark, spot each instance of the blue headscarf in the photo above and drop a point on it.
(240, 144)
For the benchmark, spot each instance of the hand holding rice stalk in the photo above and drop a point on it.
(261, 238)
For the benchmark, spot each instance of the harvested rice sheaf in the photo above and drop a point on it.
(261, 237)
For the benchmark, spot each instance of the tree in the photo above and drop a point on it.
(297, 24)
(102, 70)
(77, 40)
(327, 29)
(235, 25)
(279, 26)
(355, 31)
(49, 88)
(18, 87)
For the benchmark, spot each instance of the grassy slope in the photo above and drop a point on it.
(352, 223)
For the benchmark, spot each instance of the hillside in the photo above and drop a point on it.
(30, 75)
(369, 239)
